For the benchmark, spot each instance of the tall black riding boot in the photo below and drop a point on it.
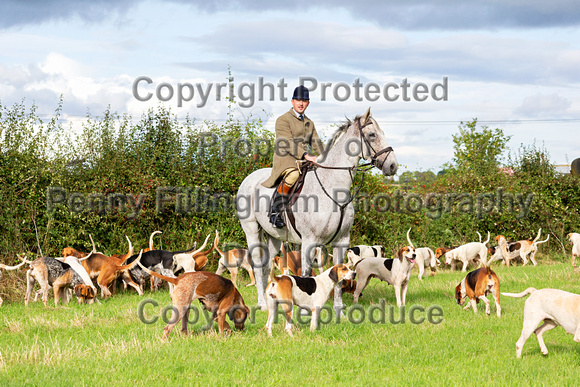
(279, 201)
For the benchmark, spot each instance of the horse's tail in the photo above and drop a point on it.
(520, 295)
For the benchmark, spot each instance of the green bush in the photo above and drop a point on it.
(117, 164)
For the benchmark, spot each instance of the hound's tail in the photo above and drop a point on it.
(132, 264)
(151, 239)
(216, 242)
(538, 236)
(154, 274)
(544, 241)
(272, 276)
(15, 267)
(520, 295)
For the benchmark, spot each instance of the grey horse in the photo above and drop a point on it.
(324, 212)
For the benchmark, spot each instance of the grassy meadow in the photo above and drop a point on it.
(108, 344)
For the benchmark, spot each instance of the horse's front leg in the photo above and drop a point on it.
(307, 254)
(338, 252)
(272, 247)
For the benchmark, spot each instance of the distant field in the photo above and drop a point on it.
(108, 344)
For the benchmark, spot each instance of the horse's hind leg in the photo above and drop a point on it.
(261, 255)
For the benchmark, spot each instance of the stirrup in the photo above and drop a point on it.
(277, 221)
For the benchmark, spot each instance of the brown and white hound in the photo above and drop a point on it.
(476, 286)
(232, 260)
(217, 294)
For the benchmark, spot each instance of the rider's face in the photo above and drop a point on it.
(300, 105)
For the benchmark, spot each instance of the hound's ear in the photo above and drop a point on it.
(400, 254)
(333, 274)
(79, 290)
(366, 116)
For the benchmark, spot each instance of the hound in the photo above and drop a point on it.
(232, 260)
(440, 252)
(291, 261)
(425, 258)
(69, 251)
(522, 249)
(10, 268)
(307, 292)
(356, 253)
(106, 269)
(495, 254)
(470, 252)
(217, 294)
(574, 238)
(476, 286)
(553, 307)
(163, 261)
(195, 261)
(396, 272)
(86, 292)
(293, 264)
(52, 272)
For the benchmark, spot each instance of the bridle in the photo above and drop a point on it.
(374, 158)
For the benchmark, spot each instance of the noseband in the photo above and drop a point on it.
(375, 156)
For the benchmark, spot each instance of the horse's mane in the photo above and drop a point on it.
(340, 131)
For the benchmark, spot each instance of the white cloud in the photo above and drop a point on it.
(541, 105)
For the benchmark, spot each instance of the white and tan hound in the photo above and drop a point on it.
(523, 249)
(553, 307)
(475, 252)
(574, 239)
(425, 258)
(232, 260)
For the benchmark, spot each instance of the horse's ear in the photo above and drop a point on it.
(367, 115)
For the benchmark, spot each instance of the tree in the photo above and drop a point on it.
(478, 150)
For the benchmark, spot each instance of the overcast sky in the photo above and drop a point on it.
(512, 64)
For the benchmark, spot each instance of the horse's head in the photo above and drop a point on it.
(375, 147)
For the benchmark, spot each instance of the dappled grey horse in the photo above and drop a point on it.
(324, 212)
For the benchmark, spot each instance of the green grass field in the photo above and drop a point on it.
(108, 344)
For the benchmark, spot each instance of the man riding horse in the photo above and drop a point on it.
(295, 136)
